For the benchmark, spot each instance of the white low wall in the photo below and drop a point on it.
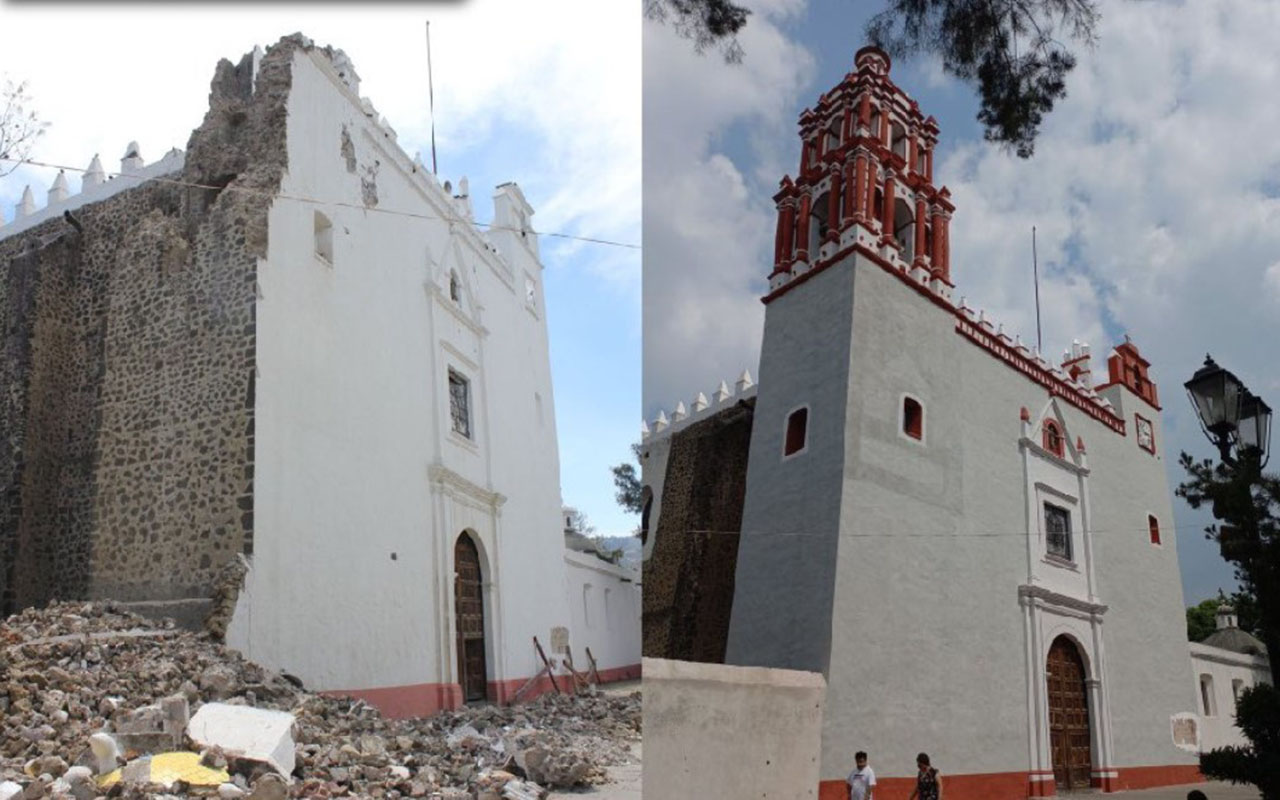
(713, 731)
(604, 607)
(1223, 668)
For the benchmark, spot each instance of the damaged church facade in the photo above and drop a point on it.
(973, 544)
(284, 371)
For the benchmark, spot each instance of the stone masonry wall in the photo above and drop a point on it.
(128, 365)
(689, 578)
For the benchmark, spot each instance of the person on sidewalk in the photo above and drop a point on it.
(862, 781)
(928, 784)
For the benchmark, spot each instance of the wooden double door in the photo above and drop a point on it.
(468, 602)
(1068, 716)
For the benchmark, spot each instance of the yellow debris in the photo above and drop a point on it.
(167, 769)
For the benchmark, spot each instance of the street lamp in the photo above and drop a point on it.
(1229, 413)
(1254, 429)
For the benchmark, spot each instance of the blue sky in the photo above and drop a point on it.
(1153, 191)
(517, 97)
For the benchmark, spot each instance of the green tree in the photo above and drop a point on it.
(20, 126)
(1247, 504)
(1201, 620)
(630, 494)
(1013, 52)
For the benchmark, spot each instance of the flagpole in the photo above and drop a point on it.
(1035, 270)
(431, 95)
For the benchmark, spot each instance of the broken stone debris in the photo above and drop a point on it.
(86, 688)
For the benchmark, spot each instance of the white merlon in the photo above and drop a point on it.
(700, 403)
(132, 160)
(94, 187)
(679, 414)
(744, 381)
(94, 175)
(257, 62)
(722, 393)
(27, 206)
(660, 423)
(644, 430)
(58, 191)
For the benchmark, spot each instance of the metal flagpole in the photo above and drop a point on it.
(431, 95)
(1035, 270)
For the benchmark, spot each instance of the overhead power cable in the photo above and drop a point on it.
(330, 203)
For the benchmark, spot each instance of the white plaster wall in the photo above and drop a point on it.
(604, 606)
(718, 732)
(1224, 666)
(361, 488)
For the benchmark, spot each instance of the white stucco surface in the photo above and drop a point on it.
(604, 604)
(1227, 673)
(361, 486)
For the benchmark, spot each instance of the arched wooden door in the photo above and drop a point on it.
(1068, 716)
(468, 601)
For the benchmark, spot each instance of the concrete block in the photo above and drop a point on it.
(254, 734)
(9, 790)
(720, 732)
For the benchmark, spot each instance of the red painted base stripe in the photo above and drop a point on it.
(1018, 785)
(403, 702)
(425, 699)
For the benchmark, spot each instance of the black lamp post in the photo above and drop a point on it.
(1231, 415)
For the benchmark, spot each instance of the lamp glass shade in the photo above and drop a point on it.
(1216, 394)
(1254, 428)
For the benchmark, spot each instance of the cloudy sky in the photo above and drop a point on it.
(519, 96)
(1155, 191)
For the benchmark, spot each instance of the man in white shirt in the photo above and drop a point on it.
(862, 781)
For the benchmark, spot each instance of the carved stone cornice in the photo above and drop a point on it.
(1030, 594)
(454, 483)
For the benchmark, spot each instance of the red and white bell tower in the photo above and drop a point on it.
(866, 182)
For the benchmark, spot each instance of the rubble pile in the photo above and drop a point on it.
(96, 701)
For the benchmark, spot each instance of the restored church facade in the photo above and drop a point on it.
(974, 545)
(285, 370)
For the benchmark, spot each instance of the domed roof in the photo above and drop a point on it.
(1237, 641)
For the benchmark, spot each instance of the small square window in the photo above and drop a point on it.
(460, 404)
(1057, 531)
(912, 418)
(797, 431)
(1153, 526)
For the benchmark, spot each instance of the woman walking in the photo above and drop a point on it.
(928, 785)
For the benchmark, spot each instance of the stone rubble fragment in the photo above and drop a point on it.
(82, 683)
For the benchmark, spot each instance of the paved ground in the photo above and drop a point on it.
(1212, 790)
(625, 785)
(626, 777)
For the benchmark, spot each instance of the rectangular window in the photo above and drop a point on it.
(1153, 525)
(797, 431)
(1057, 531)
(460, 404)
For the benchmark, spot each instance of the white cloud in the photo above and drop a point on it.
(708, 226)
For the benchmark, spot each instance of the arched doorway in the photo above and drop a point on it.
(1068, 716)
(468, 600)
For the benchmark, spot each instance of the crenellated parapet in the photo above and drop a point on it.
(95, 185)
(699, 409)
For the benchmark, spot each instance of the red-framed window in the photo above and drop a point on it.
(1052, 439)
(912, 418)
(1153, 527)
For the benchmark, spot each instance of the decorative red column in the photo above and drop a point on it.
(833, 205)
(802, 229)
(788, 229)
(921, 245)
(936, 256)
(850, 187)
(912, 149)
(860, 190)
(946, 246)
(864, 110)
(887, 232)
(872, 180)
(928, 165)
